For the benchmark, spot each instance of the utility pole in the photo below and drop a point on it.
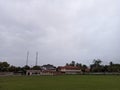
(27, 58)
(36, 59)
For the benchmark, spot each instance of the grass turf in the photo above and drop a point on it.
(67, 82)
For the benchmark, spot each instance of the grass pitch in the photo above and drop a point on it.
(67, 82)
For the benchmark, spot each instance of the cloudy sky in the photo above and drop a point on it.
(60, 30)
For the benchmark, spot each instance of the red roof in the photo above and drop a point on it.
(69, 67)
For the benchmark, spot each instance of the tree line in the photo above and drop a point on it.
(6, 67)
(96, 66)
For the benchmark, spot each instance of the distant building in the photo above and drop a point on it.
(52, 70)
(6, 73)
(39, 72)
(69, 70)
(33, 72)
(45, 70)
(48, 67)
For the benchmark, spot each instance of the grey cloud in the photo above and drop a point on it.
(60, 30)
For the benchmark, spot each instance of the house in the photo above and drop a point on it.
(40, 72)
(48, 72)
(69, 69)
(48, 67)
(45, 70)
(33, 72)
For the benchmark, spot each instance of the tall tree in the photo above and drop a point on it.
(96, 66)
(4, 66)
(72, 63)
(97, 62)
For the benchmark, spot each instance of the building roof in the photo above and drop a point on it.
(69, 67)
(48, 67)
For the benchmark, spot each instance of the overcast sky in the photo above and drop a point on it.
(60, 30)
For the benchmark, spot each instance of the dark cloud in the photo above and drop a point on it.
(60, 31)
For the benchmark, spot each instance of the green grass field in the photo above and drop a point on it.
(68, 82)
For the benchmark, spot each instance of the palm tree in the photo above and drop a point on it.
(97, 62)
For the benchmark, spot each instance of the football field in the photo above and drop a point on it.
(65, 82)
